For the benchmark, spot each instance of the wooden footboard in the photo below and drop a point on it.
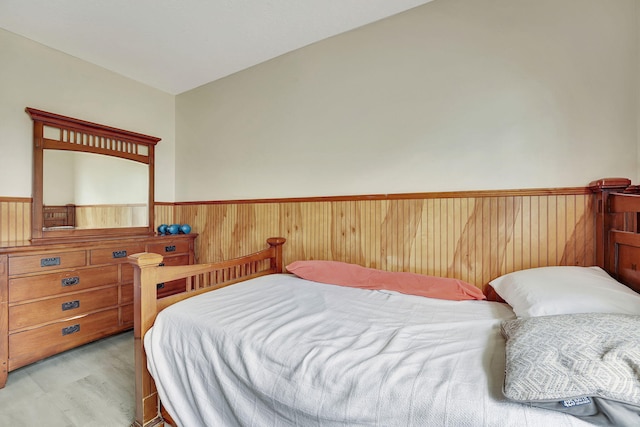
(200, 278)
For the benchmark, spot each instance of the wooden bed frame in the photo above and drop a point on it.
(617, 229)
(200, 278)
(617, 207)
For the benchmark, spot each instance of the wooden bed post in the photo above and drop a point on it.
(604, 219)
(146, 396)
(275, 243)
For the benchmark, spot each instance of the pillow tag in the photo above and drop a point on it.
(576, 402)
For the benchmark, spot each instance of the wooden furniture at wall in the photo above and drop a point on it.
(56, 132)
(58, 296)
(618, 229)
(59, 216)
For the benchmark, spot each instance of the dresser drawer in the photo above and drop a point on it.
(169, 248)
(176, 260)
(32, 345)
(46, 262)
(52, 284)
(115, 254)
(58, 308)
(126, 294)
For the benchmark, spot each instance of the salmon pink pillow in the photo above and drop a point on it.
(344, 274)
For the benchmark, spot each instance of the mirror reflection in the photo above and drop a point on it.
(87, 190)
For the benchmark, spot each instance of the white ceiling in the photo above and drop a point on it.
(177, 45)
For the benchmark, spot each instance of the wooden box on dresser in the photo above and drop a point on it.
(55, 297)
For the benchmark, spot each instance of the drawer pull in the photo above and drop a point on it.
(171, 248)
(160, 285)
(70, 281)
(50, 262)
(71, 329)
(70, 305)
(119, 254)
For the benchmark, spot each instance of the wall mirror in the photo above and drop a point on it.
(89, 180)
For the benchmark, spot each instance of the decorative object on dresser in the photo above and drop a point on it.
(71, 283)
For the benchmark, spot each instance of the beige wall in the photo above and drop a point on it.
(453, 95)
(32, 75)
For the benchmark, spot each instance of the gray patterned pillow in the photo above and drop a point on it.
(584, 364)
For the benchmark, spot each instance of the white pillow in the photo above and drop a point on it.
(546, 291)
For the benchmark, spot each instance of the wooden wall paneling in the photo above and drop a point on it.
(443, 231)
(412, 217)
(525, 232)
(196, 217)
(292, 224)
(470, 241)
(461, 265)
(15, 220)
(552, 230)
(472, 238)
(348, 232)
(549, 254)
(5, 208)
(163, 213)
(562, 227)
(487, 237)
(23, 221)
(565, 216)
(578, 249)
(388, 245)
(533, 254)
(217, 244)
(466, 241)
(508, 260)
(427, 239)
(256, 219)
(110, 216)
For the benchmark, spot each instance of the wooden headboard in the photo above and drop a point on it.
(617, 230)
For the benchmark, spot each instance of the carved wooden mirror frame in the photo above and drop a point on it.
(82, 136)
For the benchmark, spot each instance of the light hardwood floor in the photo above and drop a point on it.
(89, 386)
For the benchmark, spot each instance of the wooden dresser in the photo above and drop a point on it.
(58, 296)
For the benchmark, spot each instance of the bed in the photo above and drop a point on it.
(327, 345)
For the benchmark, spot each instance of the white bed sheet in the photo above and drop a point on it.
(282, 351)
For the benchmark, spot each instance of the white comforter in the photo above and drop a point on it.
(282, 351)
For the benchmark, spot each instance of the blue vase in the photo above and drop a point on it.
(185, 228)
(174, 229)
(162, 229)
